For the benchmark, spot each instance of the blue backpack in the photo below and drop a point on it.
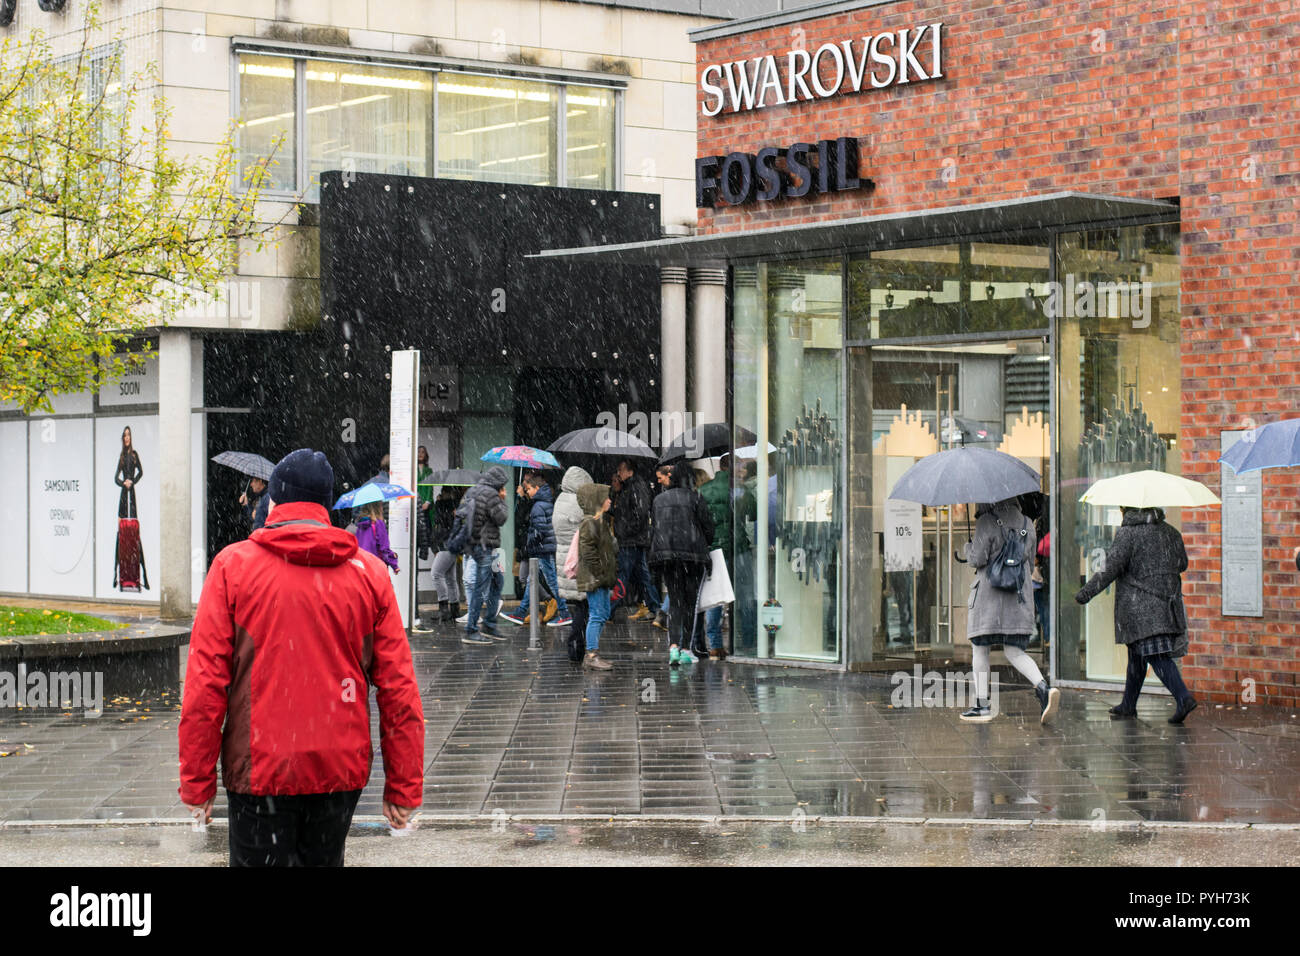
(1007, 570)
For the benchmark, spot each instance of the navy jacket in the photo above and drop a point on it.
(540, 542)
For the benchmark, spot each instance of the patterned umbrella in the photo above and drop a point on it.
(521, 456)
(246, 463)
(371, 492)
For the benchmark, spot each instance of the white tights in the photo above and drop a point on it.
(1016, 657)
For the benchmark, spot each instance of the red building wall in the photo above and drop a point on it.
(1194, 100)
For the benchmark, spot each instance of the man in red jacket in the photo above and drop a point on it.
(293, 627)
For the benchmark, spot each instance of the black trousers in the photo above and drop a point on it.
(683, 583)
(305, 830)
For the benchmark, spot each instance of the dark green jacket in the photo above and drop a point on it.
(716, 493)
(597, 549)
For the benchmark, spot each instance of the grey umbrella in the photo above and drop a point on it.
(601, 441)
(246, 463)
(968, 474)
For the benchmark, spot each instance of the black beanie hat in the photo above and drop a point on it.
(303, 475)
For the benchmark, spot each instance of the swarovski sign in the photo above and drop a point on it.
(877, 62)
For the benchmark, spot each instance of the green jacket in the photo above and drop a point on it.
(597, 549)
(716, 493)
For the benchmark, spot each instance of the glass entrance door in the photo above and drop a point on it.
(990, 395)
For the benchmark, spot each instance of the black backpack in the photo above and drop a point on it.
(1007, 569)
(461, 527)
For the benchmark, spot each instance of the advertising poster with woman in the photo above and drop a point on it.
(126, 507)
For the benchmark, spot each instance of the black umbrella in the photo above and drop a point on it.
(601, 441)
(246, 463)
(454, 476)
(705, 441)
(966, 474)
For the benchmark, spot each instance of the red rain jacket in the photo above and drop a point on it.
(293, 626)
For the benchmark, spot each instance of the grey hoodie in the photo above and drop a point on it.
(565, 518)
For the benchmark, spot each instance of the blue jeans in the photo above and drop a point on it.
(635, 573)
(546, 571)
(713, 627)
(597, 615)
(486, 588)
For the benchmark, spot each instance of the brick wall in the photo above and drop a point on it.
(1198, 100)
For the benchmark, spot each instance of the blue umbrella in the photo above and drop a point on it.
(1275, 445)
(369, 492)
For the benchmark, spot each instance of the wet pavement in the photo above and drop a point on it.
(731, 842)
(524, 732)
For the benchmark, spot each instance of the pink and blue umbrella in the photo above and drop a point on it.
(371, 491)
(521, 456)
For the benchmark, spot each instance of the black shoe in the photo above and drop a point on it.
(1185, 707)
(1049, 698)
(453, 612)
(981, 713)
(474, 637)
(1120, 712)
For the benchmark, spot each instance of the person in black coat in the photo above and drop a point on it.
(1147, 559)
(679, 551)
(630, 503)
(127, 476)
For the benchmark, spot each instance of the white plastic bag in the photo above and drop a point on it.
(716, 590)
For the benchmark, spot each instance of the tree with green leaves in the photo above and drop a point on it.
(103, 232)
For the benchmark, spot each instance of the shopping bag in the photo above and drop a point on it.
(716, 589)
(571, 559)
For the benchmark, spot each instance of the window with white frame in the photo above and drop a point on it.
(300, 116)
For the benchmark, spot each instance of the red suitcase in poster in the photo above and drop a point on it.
(129, 571)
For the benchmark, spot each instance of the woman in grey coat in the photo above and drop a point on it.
(1146, 560)
(566, 515)
(1002, 618)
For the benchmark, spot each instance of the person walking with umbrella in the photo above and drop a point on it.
(1146, 562)
(372, 534)
(1002, 603)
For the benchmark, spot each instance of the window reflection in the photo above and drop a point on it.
(266, 118)
(497, 129)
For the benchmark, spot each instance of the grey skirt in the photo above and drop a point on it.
(1175, 645)
(995, 640)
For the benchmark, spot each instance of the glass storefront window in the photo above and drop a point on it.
(953, 289)
(498, 129)
(361, 117)
(367, 119)
(1119, 382)
(589, 137)
(789, 510)
(266, 120)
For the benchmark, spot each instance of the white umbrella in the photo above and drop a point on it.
(1149, 489)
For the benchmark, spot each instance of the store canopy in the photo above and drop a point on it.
(891, 229)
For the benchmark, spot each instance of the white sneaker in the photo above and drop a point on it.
(686, 657)
(463, 619)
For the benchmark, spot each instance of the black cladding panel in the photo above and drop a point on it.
(441, 265)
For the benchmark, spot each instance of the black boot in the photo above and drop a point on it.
(1185, 707)
(442, 612)
(1049, 698)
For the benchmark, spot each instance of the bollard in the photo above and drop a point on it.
(534, 624)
